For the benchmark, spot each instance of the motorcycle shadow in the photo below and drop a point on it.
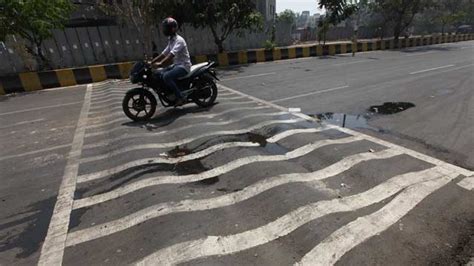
(168, 117)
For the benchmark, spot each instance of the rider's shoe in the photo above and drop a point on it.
(179, 102)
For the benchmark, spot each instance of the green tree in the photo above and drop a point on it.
(33, 20)
(323, 28)
(337, 10)
(399, 14)
(143, 15)
(224, 18)
(287, 16)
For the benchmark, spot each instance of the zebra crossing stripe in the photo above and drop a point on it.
(222, 245)
(200, 154)
(330, 250)
(230, 121)
(467, 183)
(88, 135)
(162, 209)
(188, 116)
(160, 180)
(191, 139)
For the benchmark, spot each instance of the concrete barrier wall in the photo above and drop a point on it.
(77, 47)
(32, 81)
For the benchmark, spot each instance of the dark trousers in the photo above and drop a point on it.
(171, 75)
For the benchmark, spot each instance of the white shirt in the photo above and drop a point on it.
(177, 46)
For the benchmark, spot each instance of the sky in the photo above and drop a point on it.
(297, 5)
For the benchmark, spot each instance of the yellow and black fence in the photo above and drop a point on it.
(32, 81)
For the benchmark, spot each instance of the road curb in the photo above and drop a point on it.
(34, 81)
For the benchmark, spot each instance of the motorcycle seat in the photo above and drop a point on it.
(194, 69)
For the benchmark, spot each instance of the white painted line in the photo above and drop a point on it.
(250, 76)
(108, 99)
(203, 153)
(251, 191)
(417, 54)
(124, 119)
(208, 134)
(467, 183)
(165, 160)
(112, 130)
(308, 94)
(353, 62)
(114, 107)
(291, 132)
(54, 244)
(330, 250)
(208, 114)
(431, 69)
(228, 244)
(220, 123)
(40, 108)
(35, 152)
(407, 151)
(294, 110)
(231, 98)
(174, 131)
(160, 180)
(22, 123)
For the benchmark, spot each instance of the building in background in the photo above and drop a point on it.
(267, 8)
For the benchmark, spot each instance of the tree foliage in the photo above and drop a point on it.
(223, 17)
(399, 14)
(337, 10)
(33, 20)
(287, 16)
(143, 15)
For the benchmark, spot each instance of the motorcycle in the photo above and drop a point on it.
(199, 86)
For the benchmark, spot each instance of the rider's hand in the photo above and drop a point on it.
(157, 65)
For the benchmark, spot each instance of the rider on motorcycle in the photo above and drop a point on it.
(175, 58)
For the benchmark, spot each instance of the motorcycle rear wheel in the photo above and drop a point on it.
(207, 94)
(139, 105)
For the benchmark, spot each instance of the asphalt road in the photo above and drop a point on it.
(247, 182)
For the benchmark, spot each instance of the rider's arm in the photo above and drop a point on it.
(166, 61)
(158, 58)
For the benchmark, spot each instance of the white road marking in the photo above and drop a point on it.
(119, 108)
(190, 116)
(407, 151)
(210, 134)
(309, 94)
(35, 152)
(422, 53)
(53, 247)
(251, 191)
(352, 62)
(330, 250)
(221, 245)
(40, 108)
(173, 131)
(467, 183)
(231, 98)
(200, 154)
(125, 119)
(431, 69)
(22, 123)
(250, 76)
(143, 162)
(160, 180)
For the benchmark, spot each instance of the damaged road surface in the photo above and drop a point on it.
(247, 182)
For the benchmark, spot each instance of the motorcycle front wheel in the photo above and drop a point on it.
(139, 105)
